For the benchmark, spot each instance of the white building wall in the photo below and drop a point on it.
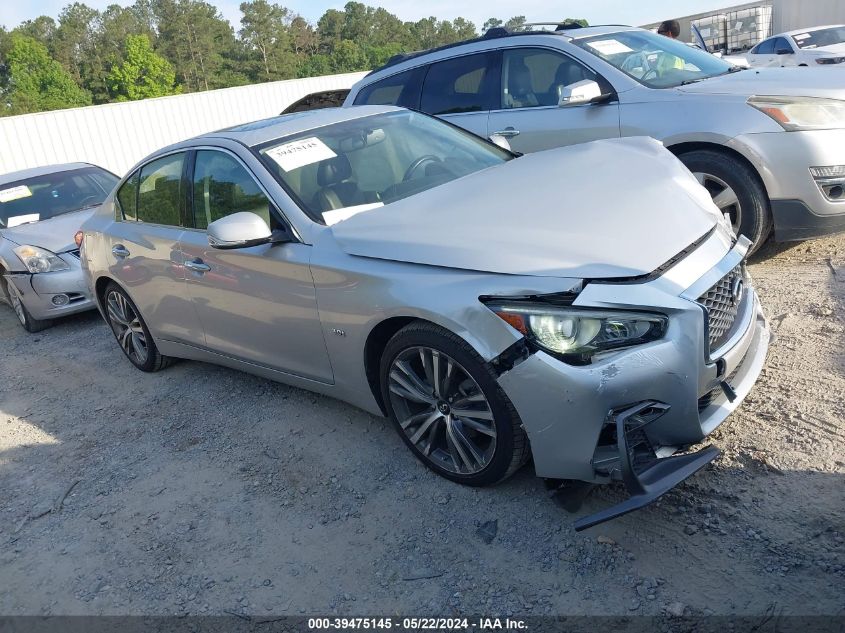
(117, 135)
(789, 15)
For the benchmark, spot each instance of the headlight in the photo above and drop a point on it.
(802, 113)
(40, 260)
(577, 335)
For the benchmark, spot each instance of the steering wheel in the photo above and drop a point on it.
(422, 160)
(93, 198)
(651, 73)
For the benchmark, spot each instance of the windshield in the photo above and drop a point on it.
(50, 195)
(822, 37)
(337, 170)
(654, 60)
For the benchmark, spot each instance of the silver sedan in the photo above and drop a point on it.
(494, 307)
(41, 211)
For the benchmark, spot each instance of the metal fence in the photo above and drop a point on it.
(117, 135)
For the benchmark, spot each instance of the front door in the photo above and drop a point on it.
(256, 304)
(529, 115)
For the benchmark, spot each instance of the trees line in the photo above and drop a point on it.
(155, 48)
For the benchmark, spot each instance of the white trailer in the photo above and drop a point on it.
(117, 135)
(789, 15)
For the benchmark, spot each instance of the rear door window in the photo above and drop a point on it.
(463, 84)
(160, 191)
(401, 89)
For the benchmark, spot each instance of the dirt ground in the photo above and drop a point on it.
(200, 490)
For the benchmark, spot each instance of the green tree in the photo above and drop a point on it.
(491, 23)
(199, 42)
(265, 34)
(516, 23)
(36, 81)
(142, 73)
(42, 29)
(73, 42)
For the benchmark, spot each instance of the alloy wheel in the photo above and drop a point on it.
(723, 196)
(127, 327)
(442, 410)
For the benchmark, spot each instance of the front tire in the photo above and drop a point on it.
(736, 190)
(448, 407)
(27, 321)
(131, 332)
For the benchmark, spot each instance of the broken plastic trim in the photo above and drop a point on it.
(656, 480)
(511, 357)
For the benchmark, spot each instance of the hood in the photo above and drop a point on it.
(613, 208)
(796, 82)
(55, 234)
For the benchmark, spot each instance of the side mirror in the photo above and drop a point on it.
(241, 230)
(579, 93)
(501, 141)
(784, 51)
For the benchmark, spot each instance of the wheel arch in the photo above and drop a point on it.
(374, 348)
(679, 149)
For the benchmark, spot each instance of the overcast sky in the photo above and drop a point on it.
(636, 12)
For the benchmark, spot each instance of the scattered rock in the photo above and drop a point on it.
(487, 531)
(675, 609)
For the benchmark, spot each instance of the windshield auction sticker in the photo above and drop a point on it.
(17, 220)
(610, 47)
(15, 193)
(299, 153)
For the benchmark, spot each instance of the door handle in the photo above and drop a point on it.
(508, 132)
(119, 250)
(197, 265)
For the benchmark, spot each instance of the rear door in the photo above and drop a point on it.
(256, 304)
(144, 252)
(528, 114)
(463, 90)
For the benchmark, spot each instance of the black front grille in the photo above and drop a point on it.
(722, 307)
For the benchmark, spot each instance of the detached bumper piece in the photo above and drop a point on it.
(645, 476)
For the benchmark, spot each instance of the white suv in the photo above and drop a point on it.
(768, 144)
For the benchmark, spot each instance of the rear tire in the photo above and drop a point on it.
(27, 321)
(454, 416)
(131, 332)
(749, 201)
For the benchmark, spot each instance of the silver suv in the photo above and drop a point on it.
(768, 144)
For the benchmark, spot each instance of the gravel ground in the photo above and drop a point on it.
(200, 490)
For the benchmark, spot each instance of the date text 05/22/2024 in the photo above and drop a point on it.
(418, 624)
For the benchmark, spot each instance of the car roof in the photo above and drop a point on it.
(257, 132)
(566, 32)
(33, 172)
(810, 30)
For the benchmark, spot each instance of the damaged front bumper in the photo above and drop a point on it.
(674, 393)
(54, 294)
